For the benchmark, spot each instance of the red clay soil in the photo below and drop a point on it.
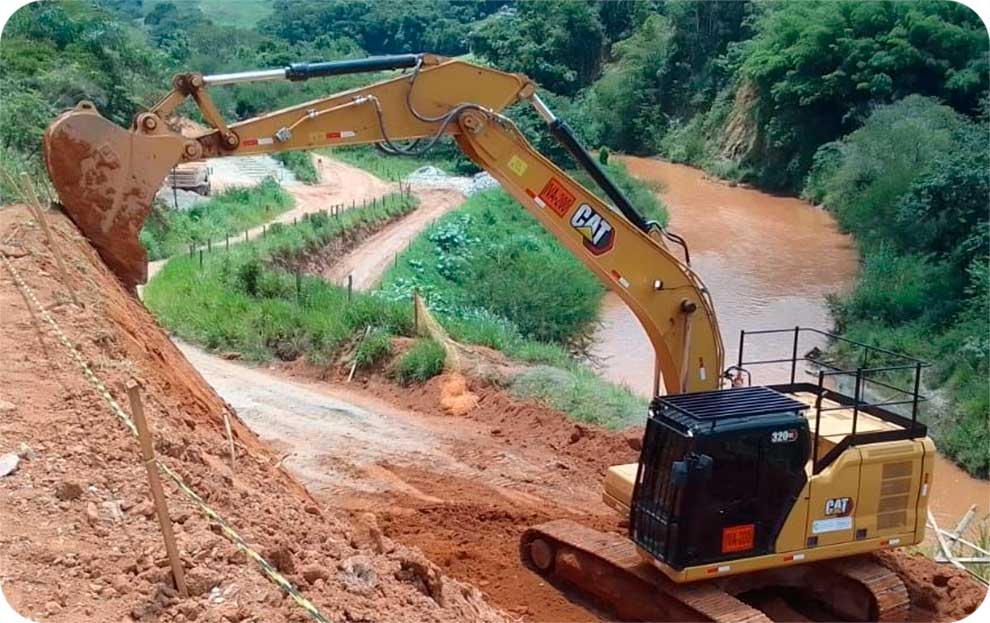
(939, 592)
(471, 527)
(79, 541)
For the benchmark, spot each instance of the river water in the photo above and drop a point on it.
(769, 262)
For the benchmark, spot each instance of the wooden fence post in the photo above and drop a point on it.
(350, 287)
(415, 295)
(157, 494)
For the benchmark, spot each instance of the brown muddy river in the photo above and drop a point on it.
(769, 262)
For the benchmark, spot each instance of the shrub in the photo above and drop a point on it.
(372, 348)
(422, 362)
(301, 165)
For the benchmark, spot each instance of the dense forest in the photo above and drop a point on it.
(876, 110)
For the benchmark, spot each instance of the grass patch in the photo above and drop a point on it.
(374, 347)
(168, 232)
(245, 301)
(301, 165)
(582, 394)
(420, 363)
(391, 168)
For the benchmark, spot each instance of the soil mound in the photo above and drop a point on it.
(455, 396)
(80, 541)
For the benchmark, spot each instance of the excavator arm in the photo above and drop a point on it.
(106, 177)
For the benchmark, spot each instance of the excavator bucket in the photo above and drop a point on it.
(106, 178)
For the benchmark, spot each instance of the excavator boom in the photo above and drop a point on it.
(106, 177)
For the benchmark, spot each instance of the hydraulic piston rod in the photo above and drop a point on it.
(305, 71)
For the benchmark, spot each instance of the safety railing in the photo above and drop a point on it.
(880, 368)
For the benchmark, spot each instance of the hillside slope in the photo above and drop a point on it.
(79, 539)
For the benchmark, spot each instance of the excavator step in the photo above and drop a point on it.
(608, 568)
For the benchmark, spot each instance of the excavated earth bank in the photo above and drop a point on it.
(79, 540)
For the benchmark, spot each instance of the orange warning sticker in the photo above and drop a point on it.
(738, 538)
(556, 197)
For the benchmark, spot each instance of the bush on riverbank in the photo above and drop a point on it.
(168, 232)
(912, 186)
(244, 301)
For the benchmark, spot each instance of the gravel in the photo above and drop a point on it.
(433, 177)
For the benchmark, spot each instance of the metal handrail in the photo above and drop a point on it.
(860, 374)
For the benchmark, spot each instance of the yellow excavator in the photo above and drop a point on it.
(737, 489)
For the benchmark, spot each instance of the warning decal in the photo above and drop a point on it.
(556, 197)
(738, 538)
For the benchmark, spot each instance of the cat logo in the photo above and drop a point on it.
(838, 507)
(597, 231)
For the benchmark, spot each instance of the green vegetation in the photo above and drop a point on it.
(754, 89)
(374, 346)
(876, 109)
(168, 231)
(472, 263)
(243, 13)
(53, 54)
(580, 393)
(301, 165)
(495, 277)
(392, 168)
(912, 185)
(380, 26)
(246, 300)
(423, 361)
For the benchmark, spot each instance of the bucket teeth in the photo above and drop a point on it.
(106, 178)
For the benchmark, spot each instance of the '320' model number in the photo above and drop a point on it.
(784, 436)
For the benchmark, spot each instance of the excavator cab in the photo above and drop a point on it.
(718, 474)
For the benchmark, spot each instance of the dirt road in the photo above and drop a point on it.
(340, 184)
(460, 489)
(369, 261)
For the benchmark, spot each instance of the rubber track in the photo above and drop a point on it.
(709, 601)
